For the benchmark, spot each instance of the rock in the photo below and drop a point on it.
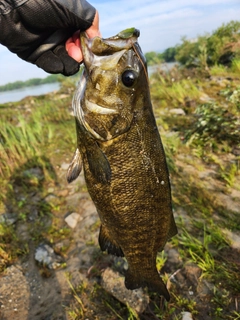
(33, 215)
(45, 255)
(64, 166)
(204, 288)
(8, 218)
(186, 316)
(14, 294)
(50, 198)
(174, 257)
(233, 238)
(177, 111)
(72, 219)
(113, 283)
(63, 193)
(205, 98)
(187, 278)
(34, 172)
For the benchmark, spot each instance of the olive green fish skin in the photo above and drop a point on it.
(125, 166)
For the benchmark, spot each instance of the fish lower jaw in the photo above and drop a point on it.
(96, 108)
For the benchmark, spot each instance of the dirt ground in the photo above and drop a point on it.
(31, 291)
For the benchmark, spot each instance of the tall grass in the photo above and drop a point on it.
(171, 87)
(235, 67)
(34, 134)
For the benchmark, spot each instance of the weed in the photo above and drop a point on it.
(81, 309)
(218, 70)
(228, 174)
(235, 66)
(161, 259)
(132, 314)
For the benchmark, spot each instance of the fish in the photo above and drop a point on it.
(120, 150)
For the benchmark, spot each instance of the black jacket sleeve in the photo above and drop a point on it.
(36, 30)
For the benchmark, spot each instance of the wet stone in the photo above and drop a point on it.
(46, 256)
(113, 283)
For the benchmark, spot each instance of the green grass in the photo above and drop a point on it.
(235, 66)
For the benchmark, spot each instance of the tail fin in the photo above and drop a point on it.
(153, 281)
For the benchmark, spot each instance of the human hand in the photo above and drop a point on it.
(36, 30)
(73, 45)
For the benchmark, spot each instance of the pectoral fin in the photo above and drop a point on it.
(107, 244)
(75, 167)
(97, 160)
(98, 163)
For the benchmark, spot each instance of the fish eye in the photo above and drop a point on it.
(128, 78)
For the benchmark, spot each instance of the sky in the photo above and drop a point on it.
(162, 24)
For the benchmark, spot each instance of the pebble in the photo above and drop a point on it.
(64, 166)
(113, 283)
(8, 218)
(63, 193)
(45, 255)
(233, 238)
(72, 219)
(173, 256)
(187, 316)
(177, 111)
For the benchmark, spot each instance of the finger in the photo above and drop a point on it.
(76, 53)
(94, 31)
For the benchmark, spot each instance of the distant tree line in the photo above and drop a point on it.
(32, 82)
(168, 55)
(220, 47)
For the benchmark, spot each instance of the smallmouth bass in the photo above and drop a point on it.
(120, 149)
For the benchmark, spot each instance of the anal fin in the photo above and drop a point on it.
(108, 244)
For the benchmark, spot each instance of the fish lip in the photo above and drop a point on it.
(96, 108)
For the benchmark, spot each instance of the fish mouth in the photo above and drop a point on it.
(96, 108)
(107, 52)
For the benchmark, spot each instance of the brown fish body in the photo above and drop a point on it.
(125, 167)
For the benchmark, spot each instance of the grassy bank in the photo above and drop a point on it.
(198, 118)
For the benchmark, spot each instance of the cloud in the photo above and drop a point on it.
(162, 23)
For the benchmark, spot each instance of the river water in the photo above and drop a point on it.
(18, 94)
